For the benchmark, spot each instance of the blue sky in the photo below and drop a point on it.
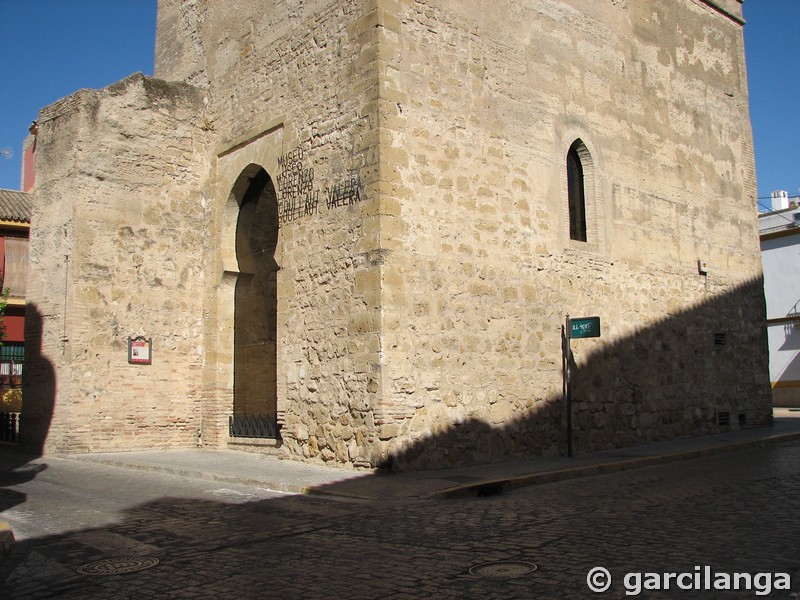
(773, 73)
(52, 48)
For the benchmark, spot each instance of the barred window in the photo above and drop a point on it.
(12, 354)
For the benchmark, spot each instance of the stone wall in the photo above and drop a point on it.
(293, 90)
(484, 105)
(435, 299)
(410, 158)
(119, 220)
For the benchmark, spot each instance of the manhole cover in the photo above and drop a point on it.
(118, 566)
(506, 569)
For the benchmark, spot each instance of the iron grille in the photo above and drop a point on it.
(254, 426)
(723, 418)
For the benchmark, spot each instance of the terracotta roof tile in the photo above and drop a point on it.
(15, 206)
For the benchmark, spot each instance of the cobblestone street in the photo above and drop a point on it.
(733, 512)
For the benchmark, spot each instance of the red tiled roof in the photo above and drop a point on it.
(15, 206)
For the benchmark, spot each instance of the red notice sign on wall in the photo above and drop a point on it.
(140, 351)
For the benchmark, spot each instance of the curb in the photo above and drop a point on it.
(6, 540)
(273, 486)
(585, 467)
(499, 486)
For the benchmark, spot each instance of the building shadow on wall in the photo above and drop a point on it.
(18, 461)
(792, 337)
(699, 371)
(38, 388)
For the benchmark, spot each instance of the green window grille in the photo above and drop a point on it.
(12, 353)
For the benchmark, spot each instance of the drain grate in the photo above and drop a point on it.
(118, 566)
(503, 569)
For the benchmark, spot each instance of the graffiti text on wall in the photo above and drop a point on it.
(297, 196)
(295, 187)
(344, 193)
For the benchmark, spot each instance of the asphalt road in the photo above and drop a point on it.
(695, 523)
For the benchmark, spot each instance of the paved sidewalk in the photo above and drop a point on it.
(273, 473)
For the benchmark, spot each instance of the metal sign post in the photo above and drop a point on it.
(566, 360)
(584, 327)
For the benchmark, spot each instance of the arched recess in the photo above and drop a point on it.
(576, 195)
(255, 303)
(581, 199)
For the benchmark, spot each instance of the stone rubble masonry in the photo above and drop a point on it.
(426, 266)
(120, 218)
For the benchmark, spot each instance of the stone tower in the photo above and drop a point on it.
(364, 223)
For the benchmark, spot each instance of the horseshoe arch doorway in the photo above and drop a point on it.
(255, 370)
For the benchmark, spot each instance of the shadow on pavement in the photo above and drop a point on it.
(535, 545)
(16, 468)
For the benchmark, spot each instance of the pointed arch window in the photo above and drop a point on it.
(576, 192)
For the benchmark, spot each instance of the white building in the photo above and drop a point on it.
(780, 254)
